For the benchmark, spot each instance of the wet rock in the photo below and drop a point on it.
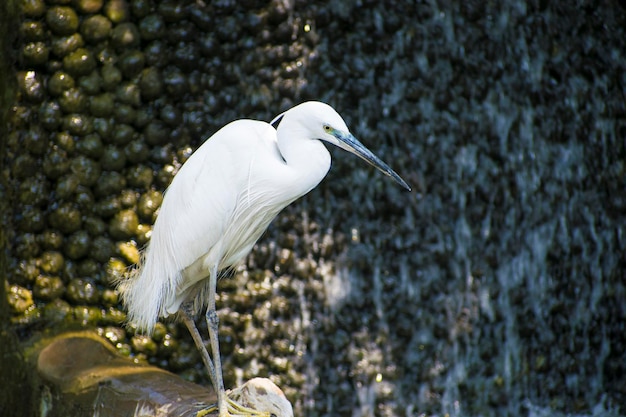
(91, 83)
(79, 62)
(125, 36)
(86, 170)
(152, 27)
(66, 218)
(143, 344)
(77, 245)
(62, 20)
(111, 77)
(117, 10)
(148, 204)
(19, 299)
(129, 252)
(73, 100)
(131, 63)
(56, 311)
(35, 54)
(84, 291)
(77, 124)
(60, 82)
(50, 118)
(88, 6)
(33, 8)
(124, 225)
(65, 45)
(48, 288)
(51, 262)
(31, 86)
(96, 28)
(123, 134)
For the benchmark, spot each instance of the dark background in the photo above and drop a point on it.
(497, 287)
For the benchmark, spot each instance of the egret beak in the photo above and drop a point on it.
(347, 142)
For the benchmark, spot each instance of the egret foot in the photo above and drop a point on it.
(256, 394)
(234, 409)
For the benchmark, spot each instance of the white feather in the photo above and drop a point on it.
(223, 199)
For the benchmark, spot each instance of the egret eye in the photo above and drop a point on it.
(327, 128)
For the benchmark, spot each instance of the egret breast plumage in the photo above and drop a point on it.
(219, 204)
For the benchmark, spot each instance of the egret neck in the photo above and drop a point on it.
(307, 156)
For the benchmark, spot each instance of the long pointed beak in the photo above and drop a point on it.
(348, 142)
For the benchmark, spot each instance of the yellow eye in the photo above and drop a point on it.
(327, 128)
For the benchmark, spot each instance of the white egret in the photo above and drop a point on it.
(219, 203)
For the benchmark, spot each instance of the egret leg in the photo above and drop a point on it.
(226, 406)
(213, 323)
(187, 316)
(233, 408)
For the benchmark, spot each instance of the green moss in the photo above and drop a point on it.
(117, 10)
(31, 87)
(67, 186)
(125, 36)
(86, 315)
(35, 54)
(111, 77)
(20, 299)
(56, 311)
(78, 124)
(88, 6)
(48, 287)
(90, 146)
(109, 297)
(128, 93)
(102, 248)
(143, 344)
(79, 62)
(62, 20)
(51, 239)
(31, 8)
(33, 30)
(152, 27)
(86, 169)
(102, 105)
(65, 45)
(91, 83)
(148, 204)
(83, 291)
(32, 220)
(115, 270)
(96, 28)
(124, 225)
(51, 262)
(50, 118)
(77, 245)
(110, 183)
(156, 133)
(123, 134)
(113, 158)
(151, 83)
(25, 272)
(59, 82)
(36, 140)
(66, 218)
(129, 252)
(73, 100)
(131, 63)
(124, 113)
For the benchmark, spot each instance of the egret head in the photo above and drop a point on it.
(316, 120)
(320, 121)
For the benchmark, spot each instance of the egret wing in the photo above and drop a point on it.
(201, 206)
